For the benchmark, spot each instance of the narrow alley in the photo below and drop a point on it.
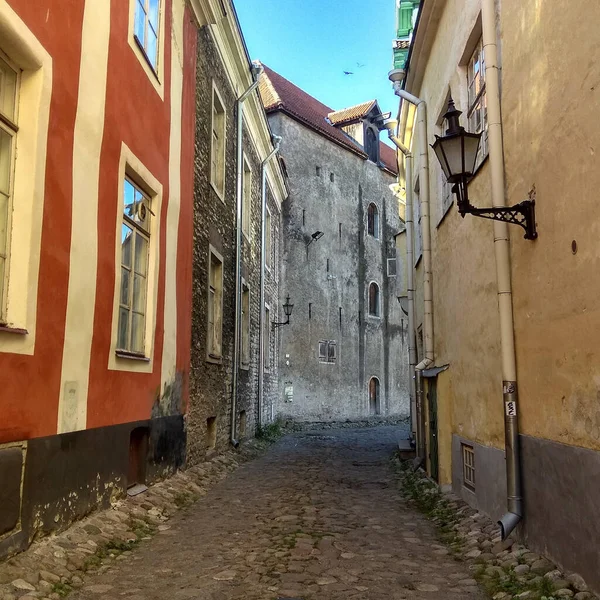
(318, 516)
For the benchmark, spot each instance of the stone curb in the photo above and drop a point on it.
(50, 568)
(495, 563)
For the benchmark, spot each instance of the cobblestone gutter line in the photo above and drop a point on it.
(506, 569)
(296, 426)
(52, 567)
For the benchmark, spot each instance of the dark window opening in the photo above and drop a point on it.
(331, 177)
(328, 265)
(211, 432)
(327, 351)
(318, 171)
(310, 310)
(372, 146)
(374, 299)
(373, 221)
(303, 217)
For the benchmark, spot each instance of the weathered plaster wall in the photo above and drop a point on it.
(366, 346)
(466, 325)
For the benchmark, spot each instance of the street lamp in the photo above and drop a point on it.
(457, 154)
(287, 309)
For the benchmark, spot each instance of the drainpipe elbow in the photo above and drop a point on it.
(508, 523)
(235, 443)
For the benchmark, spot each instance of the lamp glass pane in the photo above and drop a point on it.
(471, 148)
(453, 152)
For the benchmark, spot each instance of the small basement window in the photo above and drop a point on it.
(468, 456)
(327, 351)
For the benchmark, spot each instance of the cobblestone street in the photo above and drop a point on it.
(318, 516)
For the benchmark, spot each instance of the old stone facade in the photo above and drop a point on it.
(209, 424)
(340, 358)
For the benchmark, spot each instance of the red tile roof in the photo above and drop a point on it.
(277, 93)
(352, 113)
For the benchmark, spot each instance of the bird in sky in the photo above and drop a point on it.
(348, 73)
(359, 65)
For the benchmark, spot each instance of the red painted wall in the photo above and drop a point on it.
(29, 385)
(134, 114)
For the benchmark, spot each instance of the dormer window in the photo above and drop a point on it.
(372, 145)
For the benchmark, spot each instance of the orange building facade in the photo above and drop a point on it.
(96, 185)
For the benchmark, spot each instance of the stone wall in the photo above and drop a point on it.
(214, 225)
(328, 280)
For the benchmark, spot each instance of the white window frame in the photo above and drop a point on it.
(392, 260)
(268, 240)
(476, 103)
(214, 330)
(218, 142)
(9, 125)
(130, 167)
(267, 338)
(468, 462)
(142, 10)
(156, 75)
(138, 231)
(246, 197)
(245, 340)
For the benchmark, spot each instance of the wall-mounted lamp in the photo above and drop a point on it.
(287, 309)
(457, 153)
(317, 235)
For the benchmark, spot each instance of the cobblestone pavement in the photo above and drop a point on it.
(318, 517)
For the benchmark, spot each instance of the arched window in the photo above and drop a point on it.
(373, 221)
(374, 400)
(374, 299)
(372, 145)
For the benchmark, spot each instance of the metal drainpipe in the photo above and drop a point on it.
(410, 280)
(256, 72)
(428, 271)
(502, 252)
(261, 333)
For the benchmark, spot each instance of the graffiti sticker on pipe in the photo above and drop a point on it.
(511, 408)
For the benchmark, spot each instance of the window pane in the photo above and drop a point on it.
(5, 160)
(125, 276)
(153, 13)
(140, 22)
(3, 224)
(123, 329)
(152, 45)
(8, 90)
(137, 333)
(126, 237)
(141, 254)
(139, 294)
(129, 199)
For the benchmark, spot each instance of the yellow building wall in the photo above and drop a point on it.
(466, 325)
(550, 103)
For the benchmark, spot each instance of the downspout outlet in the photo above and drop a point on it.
(508, 523)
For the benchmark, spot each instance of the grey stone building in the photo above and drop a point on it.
(344, 354)
(224, 73)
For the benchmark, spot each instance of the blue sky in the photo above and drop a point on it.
(312, 42)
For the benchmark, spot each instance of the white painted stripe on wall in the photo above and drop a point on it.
(87, 145)
(169, 356)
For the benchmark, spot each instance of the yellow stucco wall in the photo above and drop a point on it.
(550, 101)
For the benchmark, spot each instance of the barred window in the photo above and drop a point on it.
(327, 351)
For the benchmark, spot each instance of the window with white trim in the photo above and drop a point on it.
(145, 29)
(391, 267)
(327, 351)
(9, 89)
(468, 456)
(268, 245)
(245, 359)
(135, 248)
(217, 145)
(267, 339)
(477, 108)
(246, 198)
(215, 305)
